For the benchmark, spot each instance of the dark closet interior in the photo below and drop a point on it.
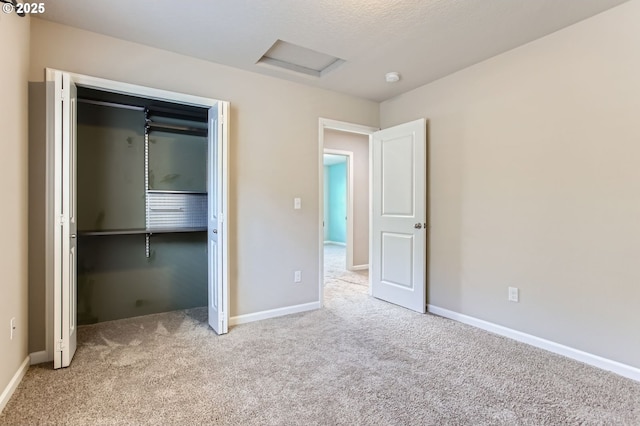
(141, 206)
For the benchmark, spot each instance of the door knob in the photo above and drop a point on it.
(418, 226)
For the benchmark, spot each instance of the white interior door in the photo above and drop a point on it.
(65, 239)
(399, 239)
(217, 227)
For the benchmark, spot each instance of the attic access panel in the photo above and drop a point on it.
(291, 57)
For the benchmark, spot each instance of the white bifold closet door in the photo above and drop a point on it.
(216, 222)
(61, 236)
(65, 278)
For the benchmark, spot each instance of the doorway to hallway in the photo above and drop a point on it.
(345, 204)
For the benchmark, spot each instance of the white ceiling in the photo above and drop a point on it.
(421, 39)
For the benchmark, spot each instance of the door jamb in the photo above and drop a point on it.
(343, 126)
(117, 87)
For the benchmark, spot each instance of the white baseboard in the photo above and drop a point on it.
(39, 357)
(273, 313)
(13, 384)
(359, 267)
(591, 359)
(336, 243)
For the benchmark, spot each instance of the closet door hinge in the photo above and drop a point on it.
(61, 220)
(59, 346)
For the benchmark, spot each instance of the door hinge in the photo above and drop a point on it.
(59, 346)
(62, 220)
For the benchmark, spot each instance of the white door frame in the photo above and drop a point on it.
(127, 89)
(343, 126)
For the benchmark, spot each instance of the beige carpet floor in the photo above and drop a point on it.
(358, 361)
(335, 259)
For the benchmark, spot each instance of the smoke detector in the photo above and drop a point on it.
(392, 77)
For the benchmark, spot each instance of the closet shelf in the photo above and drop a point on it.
(172, 128)
(141, 231)
(177, 191)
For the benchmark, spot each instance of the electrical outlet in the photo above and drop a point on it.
(514, 294)
(12, 326)
(297, 276)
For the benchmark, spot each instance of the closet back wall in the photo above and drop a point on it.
(272, 122)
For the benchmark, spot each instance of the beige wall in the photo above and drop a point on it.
(37, 211)
(272, 122)
(359, 145)
(535, 183)
(14, 31)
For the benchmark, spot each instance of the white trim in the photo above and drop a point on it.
(138, 90)
(50, 225)
(273, 313)
(370, 210)
(325, 123)
(13, 383)
(224, 209)
(576, 354)
(360, 267)
(39, 357)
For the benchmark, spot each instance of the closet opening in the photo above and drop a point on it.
(141, 206)
(137, 200)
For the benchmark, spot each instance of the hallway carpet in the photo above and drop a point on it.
(335, 267)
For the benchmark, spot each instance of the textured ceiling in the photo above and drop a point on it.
(422, 39)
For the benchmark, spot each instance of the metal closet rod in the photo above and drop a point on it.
(111, 104)
(175, 128)
(173, 113)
